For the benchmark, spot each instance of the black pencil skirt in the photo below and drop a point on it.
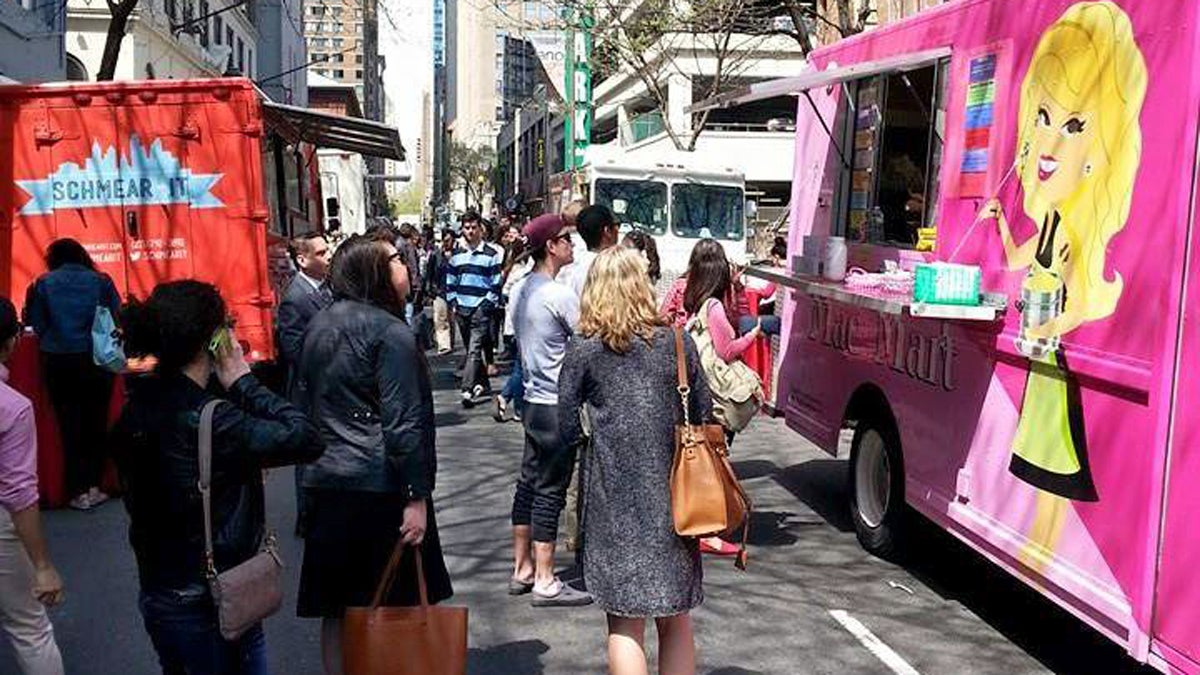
(350, 538)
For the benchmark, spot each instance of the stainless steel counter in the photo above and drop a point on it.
(993, 306)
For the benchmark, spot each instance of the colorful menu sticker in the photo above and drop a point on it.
(979, 119)
(866, 130)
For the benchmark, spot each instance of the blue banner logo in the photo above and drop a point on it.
(143, 178)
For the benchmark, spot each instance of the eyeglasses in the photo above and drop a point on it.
(566, 236)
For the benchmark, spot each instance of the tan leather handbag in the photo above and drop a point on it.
(706, 498)
(252, 591)
(421, 640)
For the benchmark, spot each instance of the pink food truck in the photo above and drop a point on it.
(1055, 427)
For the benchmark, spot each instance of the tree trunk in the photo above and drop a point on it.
(846, 18)
(116, 33)
(806, 44)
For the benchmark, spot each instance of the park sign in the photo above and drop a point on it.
(579, 86)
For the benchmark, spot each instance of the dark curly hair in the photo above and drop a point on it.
(361, 270)
(175, 324)
(10, 325)
(644, 242)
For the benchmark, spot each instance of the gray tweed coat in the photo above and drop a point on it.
(634, 563)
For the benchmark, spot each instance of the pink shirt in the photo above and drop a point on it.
(18, 449)
(725, 340)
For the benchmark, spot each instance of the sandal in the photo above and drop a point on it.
(722, 548)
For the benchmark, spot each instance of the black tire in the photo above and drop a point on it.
(876, 488)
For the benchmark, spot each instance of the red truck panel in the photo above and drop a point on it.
(159, 180)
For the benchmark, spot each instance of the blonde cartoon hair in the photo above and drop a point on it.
(618, 303)
(1088, 60)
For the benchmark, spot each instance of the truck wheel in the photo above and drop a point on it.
(877, 488)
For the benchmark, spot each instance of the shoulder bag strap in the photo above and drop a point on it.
(681, 370)
(205, 460)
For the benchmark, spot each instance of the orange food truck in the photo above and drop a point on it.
(162, 180)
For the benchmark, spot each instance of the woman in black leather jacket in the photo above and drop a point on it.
(157, 442)
(365, 382)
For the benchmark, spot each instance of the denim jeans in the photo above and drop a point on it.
(770, 324)
(183, 629)
(546, 470)
(476, 328)
(514, 386)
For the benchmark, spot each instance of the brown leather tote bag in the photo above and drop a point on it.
(706, 498)
(422, 640)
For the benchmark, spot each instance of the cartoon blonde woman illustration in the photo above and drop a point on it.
(1078, 150)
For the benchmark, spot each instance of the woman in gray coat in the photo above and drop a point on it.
(623, 368)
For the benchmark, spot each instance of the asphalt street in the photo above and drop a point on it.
(809, 585)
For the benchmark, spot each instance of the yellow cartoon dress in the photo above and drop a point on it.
(1050, 448)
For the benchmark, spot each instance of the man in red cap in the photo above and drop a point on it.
(545, 316)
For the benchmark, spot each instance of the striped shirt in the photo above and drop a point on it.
(474, 275)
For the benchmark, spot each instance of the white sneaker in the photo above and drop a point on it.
(81, 503)
(468, 401)
(96, 497)
(477, 391)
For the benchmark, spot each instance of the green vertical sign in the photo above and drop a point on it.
(578, 86)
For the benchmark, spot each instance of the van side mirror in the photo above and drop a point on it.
(332, 209)
(751, 208)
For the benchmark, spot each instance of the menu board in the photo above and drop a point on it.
(866, 142)
(978, 122)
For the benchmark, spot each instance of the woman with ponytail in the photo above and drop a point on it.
(184, 328)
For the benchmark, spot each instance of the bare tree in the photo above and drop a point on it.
(120, 11)
(657, 40)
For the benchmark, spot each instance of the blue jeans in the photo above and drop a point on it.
(514, 386)
(770, 324)
(183, 629)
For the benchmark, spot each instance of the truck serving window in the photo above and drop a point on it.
(637, 203)
(716, 211)
(895, 130)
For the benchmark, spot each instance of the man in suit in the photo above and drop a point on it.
(306, 295)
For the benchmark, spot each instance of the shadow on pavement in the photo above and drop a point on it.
(821, 485)
(1056, 638)
(734, 670)
(511, 657)
(771, 528)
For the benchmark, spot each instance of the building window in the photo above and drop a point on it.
(241, 54)
(339, 74)
(896, 153)
(217, 29)
(250, 62)
(358, 14)
(358, 74)
(358, 59)
(172, 10)
(337, 43)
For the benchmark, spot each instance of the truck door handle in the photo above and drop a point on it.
(131, 225)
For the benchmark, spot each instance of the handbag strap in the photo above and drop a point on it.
(681, 370)
(205, 459)
(393, 568)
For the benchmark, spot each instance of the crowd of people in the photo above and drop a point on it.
(593, 372)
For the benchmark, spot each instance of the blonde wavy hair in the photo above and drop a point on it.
(1088, 60)
(618, 303)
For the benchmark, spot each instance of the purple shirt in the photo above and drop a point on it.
(18, 449)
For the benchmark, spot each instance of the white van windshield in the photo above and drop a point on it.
(715, 211)
(639, 204)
